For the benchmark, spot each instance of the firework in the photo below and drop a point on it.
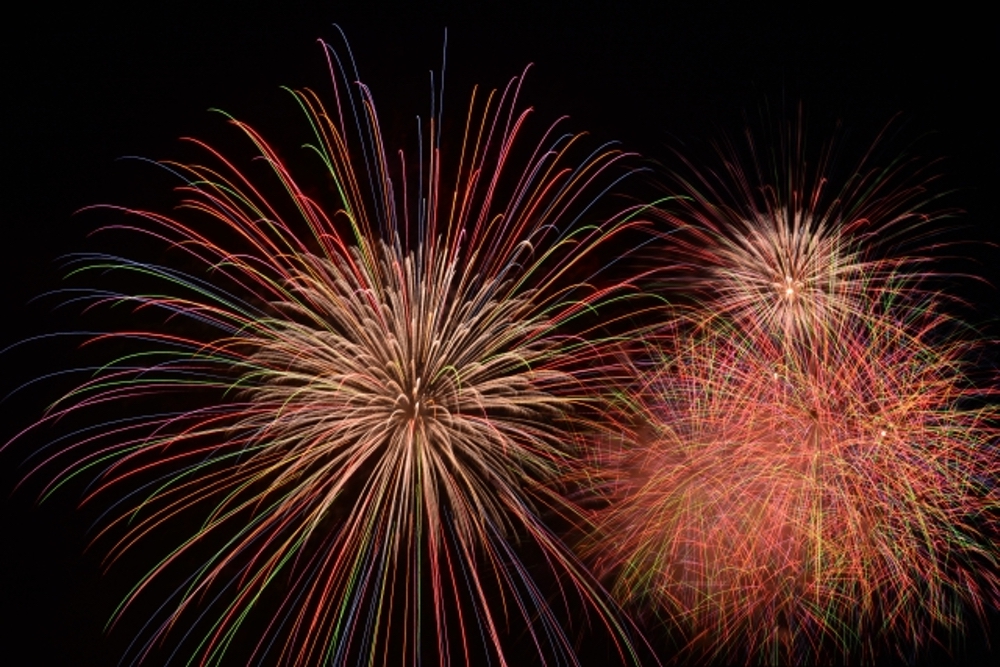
(775, 249)
(806, 470)
(357, 402)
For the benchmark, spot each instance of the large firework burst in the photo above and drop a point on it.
(386, 375)
(807, 471)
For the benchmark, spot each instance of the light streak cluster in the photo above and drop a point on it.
(388, 379)
(805, 469)
(363, 398)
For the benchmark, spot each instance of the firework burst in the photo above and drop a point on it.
(807, 470)
(386, 380)
(787, 254)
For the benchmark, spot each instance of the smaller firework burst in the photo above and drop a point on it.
(788, 254)
(806, 469)
(778, 512)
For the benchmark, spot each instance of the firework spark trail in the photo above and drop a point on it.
(392, 395)
(805, 477)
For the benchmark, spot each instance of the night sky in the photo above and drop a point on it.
(85, 87)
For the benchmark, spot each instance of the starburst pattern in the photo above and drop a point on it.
(379, 388)
(769, 243)
(805, 469)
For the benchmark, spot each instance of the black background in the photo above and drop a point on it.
(86, 85)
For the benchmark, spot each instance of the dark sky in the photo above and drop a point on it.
(85, 86)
